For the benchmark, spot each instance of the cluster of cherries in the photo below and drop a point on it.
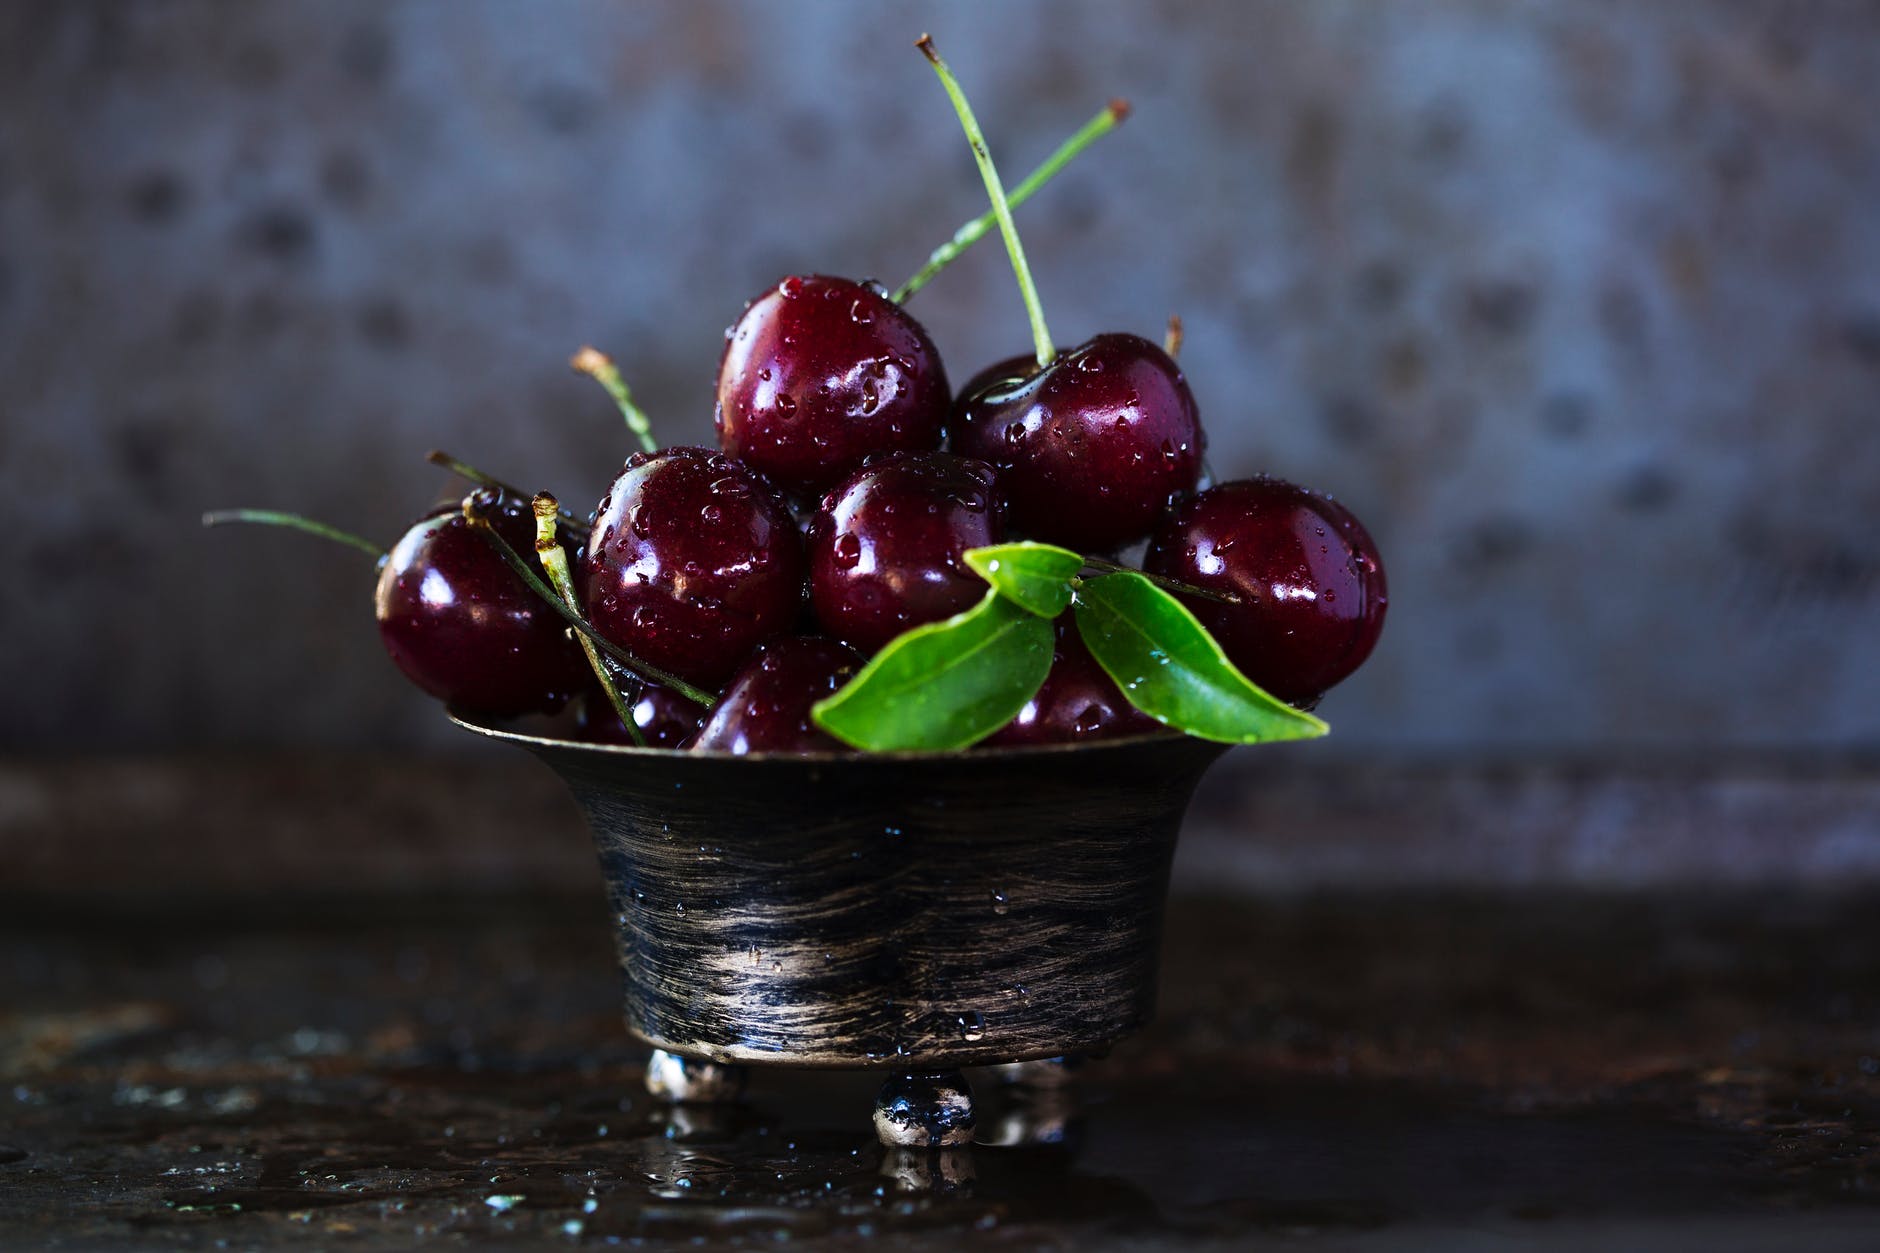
(740, 585)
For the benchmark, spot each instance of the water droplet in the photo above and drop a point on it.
(972, 1026)
(711, 515)
(790, 288)
(847, 551)
(999, 904)
(764, 374)
(785, 403)
(678, 907)
(860, 313)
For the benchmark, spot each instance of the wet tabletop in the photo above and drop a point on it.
(1360, 1071)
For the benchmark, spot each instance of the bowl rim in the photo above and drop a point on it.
(469, 722)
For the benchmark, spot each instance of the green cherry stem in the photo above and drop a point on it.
(1166, 584)
(554, 559)
(1106, 120)
(294, 521)
(464, 470)
(598, 366)
(1040, 335)
(473, 514)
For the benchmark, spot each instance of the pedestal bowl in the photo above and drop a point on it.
(911, 912)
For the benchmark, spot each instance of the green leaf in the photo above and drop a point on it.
(1036, 577)
(946, 684)
(1173, 670)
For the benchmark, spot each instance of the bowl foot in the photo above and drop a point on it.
(687, 1080)
(925, 1110)
(932, 1171)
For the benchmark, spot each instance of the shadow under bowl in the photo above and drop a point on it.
(897, 911)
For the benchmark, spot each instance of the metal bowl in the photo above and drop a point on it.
(908, 912)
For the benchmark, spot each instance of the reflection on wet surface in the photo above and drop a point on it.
(1371, 1070)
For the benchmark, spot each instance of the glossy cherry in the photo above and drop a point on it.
(463, 627)
(819, 373)
(1077, 702)
(693, 561)
(766, 707)
(886, 547)
(1311, 584)
(665, 718)
(1090, 448)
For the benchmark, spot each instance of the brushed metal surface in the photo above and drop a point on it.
(895, 911)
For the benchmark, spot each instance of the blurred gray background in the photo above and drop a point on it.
(1578, 306)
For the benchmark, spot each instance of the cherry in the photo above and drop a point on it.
(886, 547)
(1091, 447)
(1091, 444)
(463, 627)
(692, 562)
(665, 718)
(766, 707)
(819, 373)
(1078, 701)
(1310, 585)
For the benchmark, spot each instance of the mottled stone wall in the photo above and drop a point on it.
(1577, 305)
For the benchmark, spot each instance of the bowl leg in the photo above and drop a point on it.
(687, 1080)
(925, 1110)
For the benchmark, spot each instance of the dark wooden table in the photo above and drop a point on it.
(247, 1057)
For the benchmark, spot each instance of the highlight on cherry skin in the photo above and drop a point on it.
(1078, 701)
(692, 562)
(819, 373)
(887, 546)
(1310, 583)
(766, 706)
(665, 719)
(1090, 448)
(458, 622)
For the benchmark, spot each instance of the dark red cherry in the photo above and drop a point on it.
(463, 627)
(693, 562)
(665, 719)
(819, 373)
(1077, 702)
(886, 547)
(765, 709)
(1311, 585)
(1091, 448)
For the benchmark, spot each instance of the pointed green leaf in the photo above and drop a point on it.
(1036, 577)
(1173, 670)
(945, 685)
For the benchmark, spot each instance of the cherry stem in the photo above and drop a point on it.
(554, 559)
(1107, 120)
(473, 514)
(1163, 582)
(598, 366)
(1172, 338)
(1040, 335)
(294, 521)
(464, 470)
